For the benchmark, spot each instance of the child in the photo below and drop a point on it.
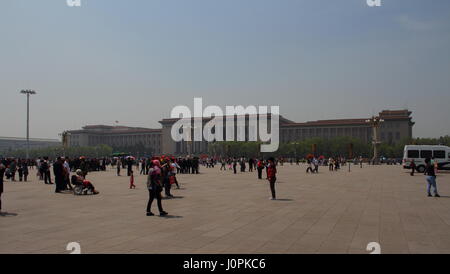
(132, 180)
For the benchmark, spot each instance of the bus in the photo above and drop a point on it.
(418, 153)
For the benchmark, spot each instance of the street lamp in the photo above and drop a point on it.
(65, 141)
(28, 92)
(375, 123)
(190, 143)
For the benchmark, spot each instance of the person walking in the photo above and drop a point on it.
(260, 167)
(251, 163)
(66, 166)
(20, 170)
(132, 186)
(143, 164)
(119, 164)
(2, 173)
(271, 176)
(84, 166)
(223, 164)
(174, 167)
(45, 167)
(309, 166)
(330, 164)
(25, 170)
(154, 187)
(316, 165)
(431, 178)
(165, 177)
(412, 166)
(13, 169)
(242, 163)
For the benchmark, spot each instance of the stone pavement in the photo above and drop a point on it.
(219, 212)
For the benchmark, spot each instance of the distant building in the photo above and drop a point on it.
(116, 137)
(397, 125)
(13, 143)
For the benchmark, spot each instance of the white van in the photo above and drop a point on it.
(441, 155)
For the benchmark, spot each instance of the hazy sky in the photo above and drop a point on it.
(134, 60)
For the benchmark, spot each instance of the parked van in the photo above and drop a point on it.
(440, 154)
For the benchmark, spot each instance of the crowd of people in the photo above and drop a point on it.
(70, 175)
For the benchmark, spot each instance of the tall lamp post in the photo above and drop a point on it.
(375, 123)
(190, 142)
(65, 141)
(28, 92)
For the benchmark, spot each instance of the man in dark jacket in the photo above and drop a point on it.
(58, 171)
(45, 170)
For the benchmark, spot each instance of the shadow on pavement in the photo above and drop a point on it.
(7, 214)
(171, 217)
(174, 197)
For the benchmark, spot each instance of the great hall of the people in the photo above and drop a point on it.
(397, 125)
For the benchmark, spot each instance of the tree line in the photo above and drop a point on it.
(99, 151)
(339, 146)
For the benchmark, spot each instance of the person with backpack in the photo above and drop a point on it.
(271, 176)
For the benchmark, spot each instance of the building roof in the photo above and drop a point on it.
(385, 114)
(104, 129)
(329, 123)
(205, 119)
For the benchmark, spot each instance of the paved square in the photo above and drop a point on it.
(219, 212)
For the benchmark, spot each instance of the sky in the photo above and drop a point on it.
(133, 61)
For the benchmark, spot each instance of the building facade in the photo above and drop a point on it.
(397, 126)
(116, 137)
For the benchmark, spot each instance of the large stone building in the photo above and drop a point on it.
(116, 137)
(13, 143)
(397, 125)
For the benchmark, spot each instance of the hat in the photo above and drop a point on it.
(156, 162)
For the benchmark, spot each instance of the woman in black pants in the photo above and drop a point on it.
(154, 186)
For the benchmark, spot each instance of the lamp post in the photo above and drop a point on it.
(28, 92)
(190, 143)
(375, 123)
(65, 141)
